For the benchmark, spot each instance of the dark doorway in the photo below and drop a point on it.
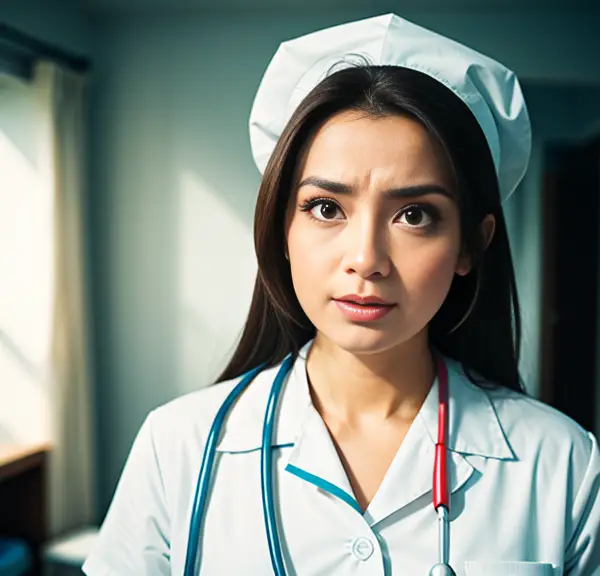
(570, 279)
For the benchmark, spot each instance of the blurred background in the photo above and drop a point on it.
(127, 191)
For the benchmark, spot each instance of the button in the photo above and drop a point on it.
(362, 548)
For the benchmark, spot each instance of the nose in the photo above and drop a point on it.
(366, 250)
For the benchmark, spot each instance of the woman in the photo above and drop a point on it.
(384, 273)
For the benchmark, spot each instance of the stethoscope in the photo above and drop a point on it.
(441, 496)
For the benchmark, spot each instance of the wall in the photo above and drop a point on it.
(175, 185)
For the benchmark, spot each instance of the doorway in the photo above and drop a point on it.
(570, 215)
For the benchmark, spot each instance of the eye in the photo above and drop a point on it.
(323, 210)
(415, 217)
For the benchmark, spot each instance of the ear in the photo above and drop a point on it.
(463, 266)
(487, 229)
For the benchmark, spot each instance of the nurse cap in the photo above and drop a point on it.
(490, 90)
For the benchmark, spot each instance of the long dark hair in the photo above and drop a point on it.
(487, 342)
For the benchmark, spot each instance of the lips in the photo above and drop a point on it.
(363, 308)
(363, 300)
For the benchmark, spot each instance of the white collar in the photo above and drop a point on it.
(474, 425)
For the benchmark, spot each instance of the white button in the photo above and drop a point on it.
(362, 548)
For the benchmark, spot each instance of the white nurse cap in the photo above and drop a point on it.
(490, 90)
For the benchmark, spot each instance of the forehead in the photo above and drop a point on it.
(359, 149)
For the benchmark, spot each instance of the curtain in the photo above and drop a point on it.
(61, 97)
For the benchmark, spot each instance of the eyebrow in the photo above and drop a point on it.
(403, 192)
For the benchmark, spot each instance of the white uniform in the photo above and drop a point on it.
(524, 478)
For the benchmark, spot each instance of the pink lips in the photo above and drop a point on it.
(363, 308)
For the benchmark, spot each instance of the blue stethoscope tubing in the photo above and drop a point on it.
(208, 460)
(441, 496)
(266, 470)
(205, 476)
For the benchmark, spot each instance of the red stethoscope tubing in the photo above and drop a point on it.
(441, 497)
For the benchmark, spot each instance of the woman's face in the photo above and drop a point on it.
(371, 216)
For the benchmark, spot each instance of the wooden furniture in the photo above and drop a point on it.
(23, 514)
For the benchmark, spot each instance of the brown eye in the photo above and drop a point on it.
(415, 217)
(326, 211)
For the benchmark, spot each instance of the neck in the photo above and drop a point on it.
(352, 388)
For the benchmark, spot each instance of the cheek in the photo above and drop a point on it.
(309, 258)
(427, 273)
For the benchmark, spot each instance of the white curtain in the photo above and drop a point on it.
(61, 98)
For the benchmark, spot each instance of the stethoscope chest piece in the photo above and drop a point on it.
(442, 570)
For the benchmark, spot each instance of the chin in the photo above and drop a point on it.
(361, 339)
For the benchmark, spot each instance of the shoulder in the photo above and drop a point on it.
(530, 424)
(555, 466)
(192, 410)
(186, 420)
(189, 417)
(536, 430)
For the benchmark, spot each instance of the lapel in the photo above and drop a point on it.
(243, 428)
(474, 429)
(315, 460)
(298, 425)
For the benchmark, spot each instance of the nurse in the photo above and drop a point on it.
(384, 272)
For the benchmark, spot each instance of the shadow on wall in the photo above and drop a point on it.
(216, 268)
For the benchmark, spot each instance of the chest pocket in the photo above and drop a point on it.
(510, 569)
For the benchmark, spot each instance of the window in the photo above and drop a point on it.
(26, 263)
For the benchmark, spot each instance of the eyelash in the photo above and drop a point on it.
(431, 211)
